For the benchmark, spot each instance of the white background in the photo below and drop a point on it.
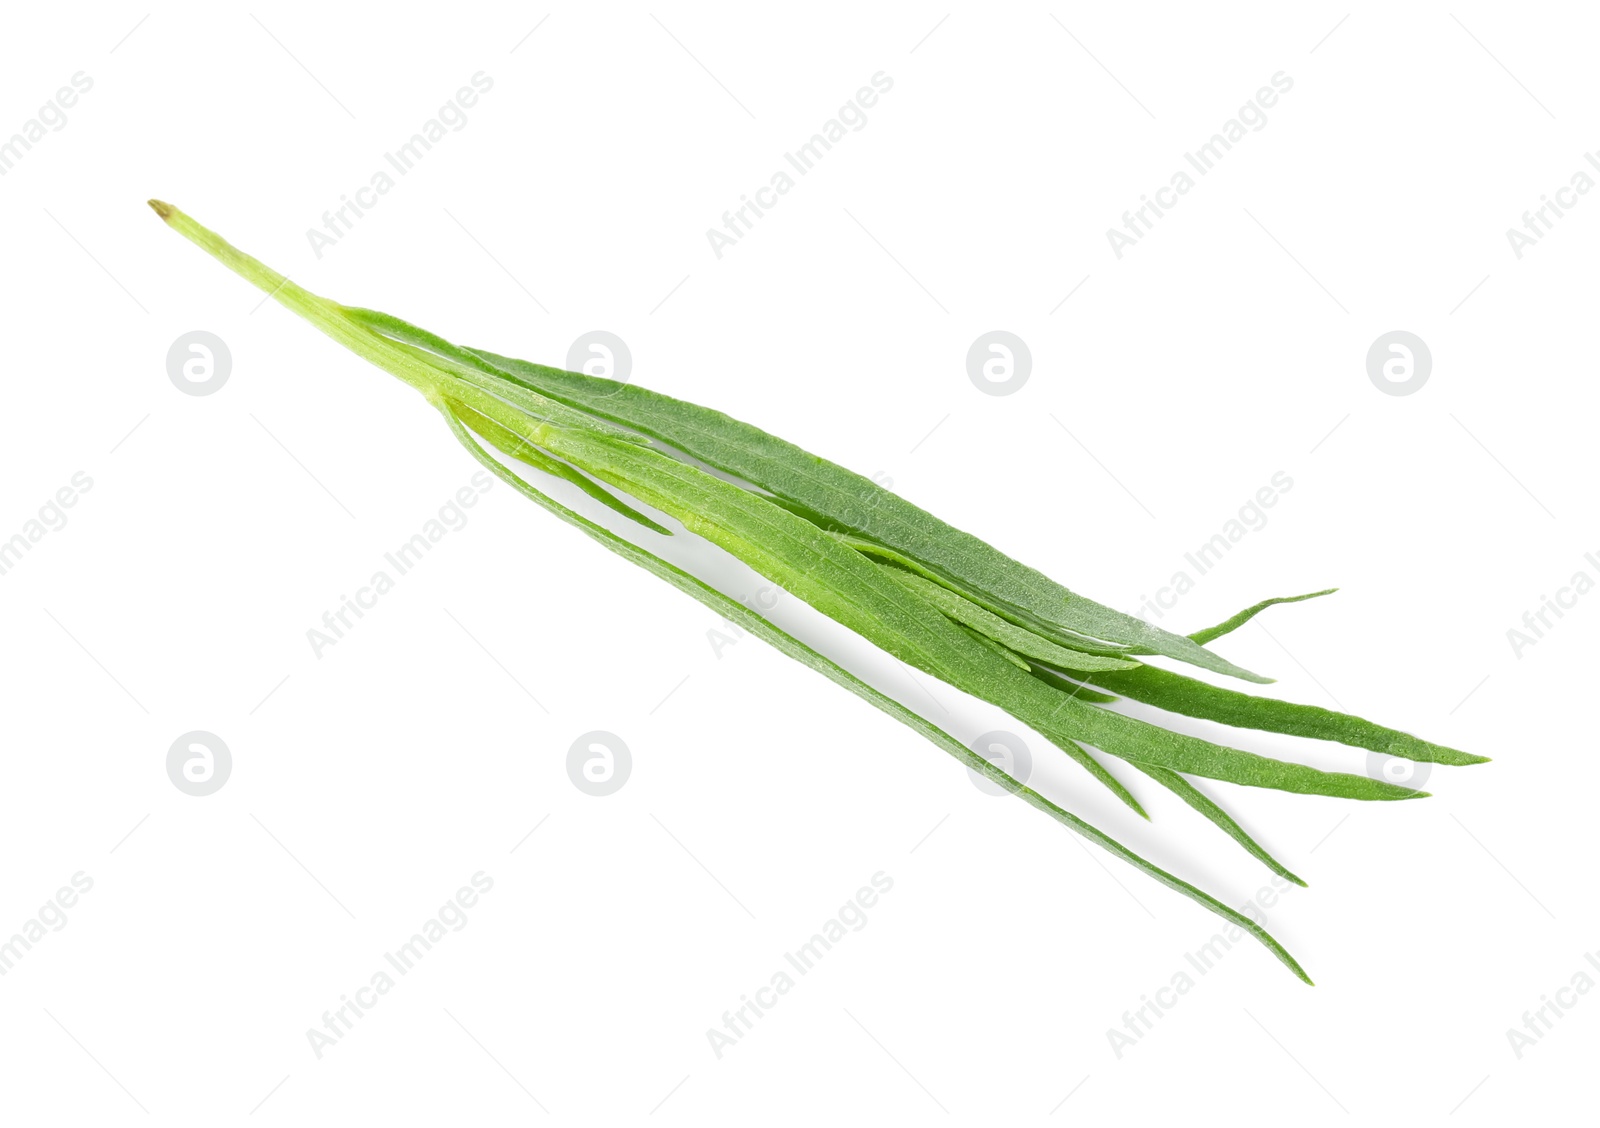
(370, 783)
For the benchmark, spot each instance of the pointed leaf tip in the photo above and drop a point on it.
(161, 208)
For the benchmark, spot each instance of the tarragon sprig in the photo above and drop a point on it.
(931, 595)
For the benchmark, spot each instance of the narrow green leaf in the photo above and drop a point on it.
(508, 443)
(803, 560)
(1082, 692)
(1007, 634)
(1194, 698)
(1139, 742)
(848, 588)
(1009, 655)
(812, 564)
(845, 586)
(1208, 807)
(1229, 625)
(853, 502)
(1067, 639)
(761, 627)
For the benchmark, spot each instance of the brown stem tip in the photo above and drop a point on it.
(164, 210)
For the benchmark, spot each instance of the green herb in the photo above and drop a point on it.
(934, 597)
(846, 500)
